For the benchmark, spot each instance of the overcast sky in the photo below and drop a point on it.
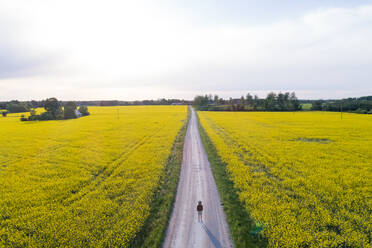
(126, 50)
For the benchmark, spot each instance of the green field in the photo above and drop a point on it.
(306, 106)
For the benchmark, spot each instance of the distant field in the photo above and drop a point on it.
(305, 176)
(85, 182)
(306, 106)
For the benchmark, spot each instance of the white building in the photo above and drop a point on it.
(77, 113)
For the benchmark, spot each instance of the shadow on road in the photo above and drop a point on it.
(213, 239)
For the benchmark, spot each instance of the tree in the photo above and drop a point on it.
(69, 111)
(270, 101)
(281, 101)
(231, 104)
(358, 105)
(210, 98)
(215, 99)
(294, 101)
(201, 101)
(163, 101)
(256, 102)
(317, 105)
(34, 104)
(241, 103)
(250, 100)
(17, 107)
(54, 107)
(84, 110)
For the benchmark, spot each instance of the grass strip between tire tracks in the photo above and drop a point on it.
(240, 223)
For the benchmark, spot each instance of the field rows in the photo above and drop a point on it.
(305, 176)
(83, 182)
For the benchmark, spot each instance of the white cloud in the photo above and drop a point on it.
(129, 48)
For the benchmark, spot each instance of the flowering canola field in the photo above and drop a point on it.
(85, 182)
(306, 176)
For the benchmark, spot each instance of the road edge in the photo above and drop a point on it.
(238, 219)
(152, 233)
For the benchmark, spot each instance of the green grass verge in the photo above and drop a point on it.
(240, 223)
(153, 231)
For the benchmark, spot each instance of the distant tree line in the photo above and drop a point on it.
(161, 101)
(273, 102)
(15, 106)
(56, 110)
(362, 105)
(19, 107)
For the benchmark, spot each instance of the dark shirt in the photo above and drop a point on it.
(199, 208)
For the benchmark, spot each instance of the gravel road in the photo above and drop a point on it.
(196, 184)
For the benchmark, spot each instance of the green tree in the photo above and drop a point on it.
(215, 99)
(54, 107)
(270, 101)
(69, 111)
(294, 101)
(84, 110)
(17, 107)
(281, 101)
(200, 102)
(256, 102)
(231, 104)
(317, 105)
(241, 103)
(249, 100)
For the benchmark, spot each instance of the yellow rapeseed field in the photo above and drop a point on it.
(305, 176)
(85, 182)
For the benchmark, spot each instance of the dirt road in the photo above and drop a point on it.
(196, 183)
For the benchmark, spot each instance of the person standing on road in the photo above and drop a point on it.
(199, 208)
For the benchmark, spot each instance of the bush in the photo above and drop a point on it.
(360, 111)
(24, 119)
(33, 112)
(46, 116)
(4, 113)
(34, 117)
(84, 110)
